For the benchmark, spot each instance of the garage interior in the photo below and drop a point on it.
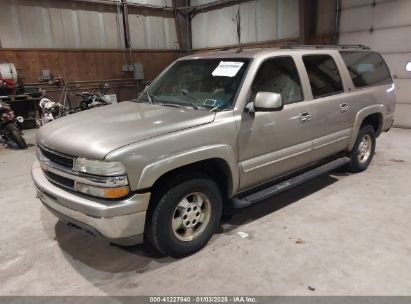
(338, 234)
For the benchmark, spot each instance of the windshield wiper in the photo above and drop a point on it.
(150, 97)
(186, 93)
(172, 105)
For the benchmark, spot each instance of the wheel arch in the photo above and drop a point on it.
(217, 162)
(373, 116)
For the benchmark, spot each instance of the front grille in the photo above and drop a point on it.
(60, 180)
(59, 159)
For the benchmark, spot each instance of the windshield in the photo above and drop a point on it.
(201, 84)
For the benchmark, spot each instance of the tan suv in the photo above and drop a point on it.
(218, 129)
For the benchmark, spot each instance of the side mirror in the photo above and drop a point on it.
(267, 101)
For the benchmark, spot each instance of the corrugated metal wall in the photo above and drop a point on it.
(261, 20)
(72, 24)
(386, 27)
(152, 30)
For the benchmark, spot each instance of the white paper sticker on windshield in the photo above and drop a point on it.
(227, 68)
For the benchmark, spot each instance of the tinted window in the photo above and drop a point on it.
(366, 68)
(279, 75)
(323, 74)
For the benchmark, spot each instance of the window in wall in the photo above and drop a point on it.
(366, 68)
(324, 76)
(279, 75)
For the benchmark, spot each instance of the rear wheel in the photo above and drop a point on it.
(363, 150)
(15, 136)
(184, 218)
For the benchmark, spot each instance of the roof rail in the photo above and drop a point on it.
(324, 46)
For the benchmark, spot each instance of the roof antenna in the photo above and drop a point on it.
(238, 19)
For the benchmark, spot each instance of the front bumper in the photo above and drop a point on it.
(121, 222)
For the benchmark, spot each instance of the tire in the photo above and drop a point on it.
(15, 136)
(363, 151)
(176, 224)
(83, 105)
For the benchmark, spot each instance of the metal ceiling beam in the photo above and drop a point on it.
(307, 16)
(130, 4)
(183, 24)
(126, 28)
(214, 5)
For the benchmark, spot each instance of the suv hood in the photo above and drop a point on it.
(94, 133)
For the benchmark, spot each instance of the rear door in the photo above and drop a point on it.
(333, 115)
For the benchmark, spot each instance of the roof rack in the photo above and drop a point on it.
(324, 46)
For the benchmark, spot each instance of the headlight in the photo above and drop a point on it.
(116, 192)
(113, 182)
(98, 167)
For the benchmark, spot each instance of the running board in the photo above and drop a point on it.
(289, 183)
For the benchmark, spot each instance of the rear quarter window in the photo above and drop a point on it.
(366, 68)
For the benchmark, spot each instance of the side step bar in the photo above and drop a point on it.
(289, 183)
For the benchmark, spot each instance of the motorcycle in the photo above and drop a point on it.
(51, 110)
(11, 126)
(93, 99)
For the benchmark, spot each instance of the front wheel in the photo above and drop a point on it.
(363, 150)
(84, 105)
(15, 136)
(185, 217)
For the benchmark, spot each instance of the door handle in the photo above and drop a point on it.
(304, 117)
(344, 107)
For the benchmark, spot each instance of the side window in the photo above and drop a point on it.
(278, 75)
(366, 68)
(323, 73)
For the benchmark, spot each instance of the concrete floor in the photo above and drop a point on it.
(354, 232)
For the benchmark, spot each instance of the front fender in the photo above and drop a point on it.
(361, 115)
(155, 170)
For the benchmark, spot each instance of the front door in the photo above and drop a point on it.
(276, 142)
